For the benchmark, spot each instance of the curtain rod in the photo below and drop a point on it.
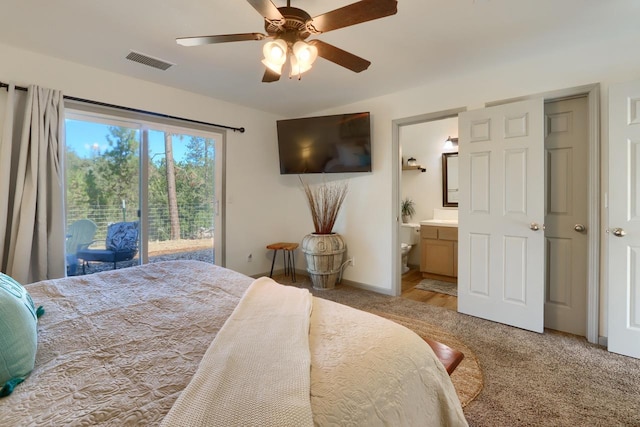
(135, 110)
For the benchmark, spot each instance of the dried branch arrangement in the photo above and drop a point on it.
(325, 201)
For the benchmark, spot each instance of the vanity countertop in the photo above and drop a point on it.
(440, 222)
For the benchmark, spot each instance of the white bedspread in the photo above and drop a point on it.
(364, 370)
(256, 371)
(370, 371)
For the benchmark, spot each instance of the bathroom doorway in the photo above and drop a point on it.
(420, 138)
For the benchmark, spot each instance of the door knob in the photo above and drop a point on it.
(579, 228)
(618, 232)
(534, 226)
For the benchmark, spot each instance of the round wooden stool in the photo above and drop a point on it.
(288, 257)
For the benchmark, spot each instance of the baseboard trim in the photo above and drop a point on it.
(279, 272)
(366, 287)
(304, 273)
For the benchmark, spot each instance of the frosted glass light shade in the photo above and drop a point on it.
(297, 68)
(304, 52)
(275, 55)
(303, 57)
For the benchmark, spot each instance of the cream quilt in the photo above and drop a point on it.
(257, 370)
(118, 348)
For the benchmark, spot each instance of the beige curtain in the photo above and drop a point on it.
(31, 185)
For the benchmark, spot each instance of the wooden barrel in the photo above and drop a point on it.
(324, 254)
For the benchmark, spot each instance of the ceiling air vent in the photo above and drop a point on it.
(148, 60)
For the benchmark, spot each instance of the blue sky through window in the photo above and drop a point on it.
(88, 138)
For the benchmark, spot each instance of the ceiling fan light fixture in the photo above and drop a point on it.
(287, 27)
(275, 54)
(305, 53)
(303, 57)
(296, 68)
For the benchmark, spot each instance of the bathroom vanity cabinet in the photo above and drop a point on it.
(439, 252)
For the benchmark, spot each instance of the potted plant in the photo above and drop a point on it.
(324, 249)
(408, 208)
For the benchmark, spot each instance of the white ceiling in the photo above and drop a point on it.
(425, 41)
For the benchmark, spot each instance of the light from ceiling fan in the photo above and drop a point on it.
(305, 52)
(303, 57)
(275, 55)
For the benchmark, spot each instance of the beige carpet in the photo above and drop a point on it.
(467, 378)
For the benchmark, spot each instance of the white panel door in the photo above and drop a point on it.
(624, 219)
(501, 213)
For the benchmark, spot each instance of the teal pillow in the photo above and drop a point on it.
(18, 334)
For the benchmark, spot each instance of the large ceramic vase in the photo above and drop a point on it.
(324, 254)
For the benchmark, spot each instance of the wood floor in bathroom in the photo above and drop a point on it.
(411, 279)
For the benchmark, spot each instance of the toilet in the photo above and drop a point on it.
(409, 236)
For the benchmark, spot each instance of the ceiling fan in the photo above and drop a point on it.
(288, 27)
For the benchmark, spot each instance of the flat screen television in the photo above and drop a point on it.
(325, 144)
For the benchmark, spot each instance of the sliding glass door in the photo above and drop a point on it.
(166, 179)
(181, 195)
(102, 189)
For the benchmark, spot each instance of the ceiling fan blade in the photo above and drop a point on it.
(270, 76)
(340, 57)
(268, 10)
(355, 13)
(224, 38)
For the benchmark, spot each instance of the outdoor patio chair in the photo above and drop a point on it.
(121, 244)
(80, 235)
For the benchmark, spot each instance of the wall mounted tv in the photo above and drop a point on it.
(325, 144)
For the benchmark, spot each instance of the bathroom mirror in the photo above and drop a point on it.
(450, 179)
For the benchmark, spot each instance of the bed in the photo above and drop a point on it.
(155, 344)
